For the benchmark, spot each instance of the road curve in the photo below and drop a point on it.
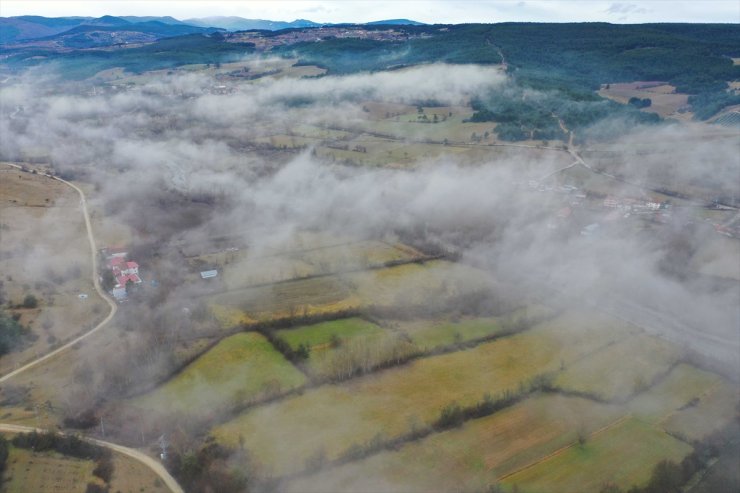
(155, 466)
(96, 283)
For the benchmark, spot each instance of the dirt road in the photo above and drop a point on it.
(151, 463)
(155, 466)
(96, 283)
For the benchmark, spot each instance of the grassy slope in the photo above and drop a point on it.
(240, 367)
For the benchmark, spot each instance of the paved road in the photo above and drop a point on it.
(155, 466)
(96, 283)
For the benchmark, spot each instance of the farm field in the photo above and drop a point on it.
(338, 346)
(414, 284)
(46, 472)
(331, 418)
(44, 252)
(473, 456)
(403, 285)
(604, 373)
(430, 334)
(665, 101)
(319, 336)
(309, 296)
(682, 386)
(714, 410)
(239, 368)
(51, 472)
(636, 446)
(131, 476)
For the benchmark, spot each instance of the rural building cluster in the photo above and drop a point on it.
(125, 271)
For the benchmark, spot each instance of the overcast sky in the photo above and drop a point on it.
(430, 11)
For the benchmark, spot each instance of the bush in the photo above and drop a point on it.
(104, 469)
(30, 301)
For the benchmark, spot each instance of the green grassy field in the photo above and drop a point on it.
(624, 454)
(339, 344)
(284, 435)
(473, 456)
(621, 369)
(239, 368)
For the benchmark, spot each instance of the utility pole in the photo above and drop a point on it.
(163, 445)
(102, 427)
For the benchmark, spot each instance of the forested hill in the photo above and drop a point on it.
(695, 56)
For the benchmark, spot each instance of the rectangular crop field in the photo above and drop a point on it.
(679, 388)
(415, 284)
(624, 454)
(332, 418)
(430, 334)
(621, 369)
(473, 456)
(318, 295)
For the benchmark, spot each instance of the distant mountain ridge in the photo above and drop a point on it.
(242, 24)
(88, 31)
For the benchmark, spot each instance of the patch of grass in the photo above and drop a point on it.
(624, 454)
(428, 334)
(238, 369)
(473, 456)
(320, 336)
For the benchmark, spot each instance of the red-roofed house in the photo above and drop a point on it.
(131, 268)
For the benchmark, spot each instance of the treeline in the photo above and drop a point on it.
(12, 334)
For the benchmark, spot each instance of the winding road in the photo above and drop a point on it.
(151, 463)
(96, 283)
